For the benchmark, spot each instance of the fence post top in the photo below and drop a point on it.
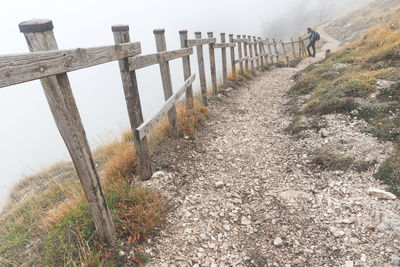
(120, 28)
(159, 31)
(183, 32)
(222, 33)
(36, 25)
(231, 34)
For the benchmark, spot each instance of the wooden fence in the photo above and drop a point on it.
(49, 64)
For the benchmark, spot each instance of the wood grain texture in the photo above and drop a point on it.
(250, 52)
(224, 63)
(196, 42)
(142, 61)
(293, 49)
(240, 55)
(224, 45)
(275, 49)
(260, 52)
(233, 64)
(25, 67)
(246, 62)
(148, 125)
(66, 115)
(270, 52)
(134, 107)
(257, 61)
(241, 60)
(187, 72)
(202, 73)
(212, 65)
(167, 83)
(285, 53)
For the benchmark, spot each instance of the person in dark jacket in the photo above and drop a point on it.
(311, 36)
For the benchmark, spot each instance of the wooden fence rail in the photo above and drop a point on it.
(50, 65)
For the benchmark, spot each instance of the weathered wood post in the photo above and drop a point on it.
(250, 52)
(256, 52)
(233, 64)
(212, 65)
(293, 49)
(186, 68)
(131, 91)
(304, 48)
(240, 55)
(261, 49)
(202, 73)
(224, 67)
(300, 48)
(161, 45)
(276, 50)
(284, 52)
(40, 37)
(270, 52)
(246, 62)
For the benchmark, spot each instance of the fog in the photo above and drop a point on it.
(29, 138)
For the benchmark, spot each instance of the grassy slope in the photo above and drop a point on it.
(351, 26)
(46, 221)
(362, 79)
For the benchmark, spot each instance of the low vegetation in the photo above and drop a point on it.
(363, 80)
(46, 221)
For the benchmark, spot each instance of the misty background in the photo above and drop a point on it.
(29, 139)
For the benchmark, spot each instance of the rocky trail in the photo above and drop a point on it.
(245, 192)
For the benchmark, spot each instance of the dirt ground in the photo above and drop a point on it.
(247, 193)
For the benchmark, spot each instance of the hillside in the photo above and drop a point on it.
(361, 80)
(351, 26)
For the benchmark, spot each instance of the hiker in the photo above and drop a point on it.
(312, 36)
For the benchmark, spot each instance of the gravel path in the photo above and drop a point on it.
(245, 192)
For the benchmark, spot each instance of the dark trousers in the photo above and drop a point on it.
(312, 45)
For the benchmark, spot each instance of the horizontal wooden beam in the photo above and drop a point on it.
(239, 41)
(26, 67)
(194, 42)
(222, 45)
(146, 126)
(142, 61)
(242, 59)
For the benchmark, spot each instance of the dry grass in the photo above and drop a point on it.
(352, 88)
(49, 207)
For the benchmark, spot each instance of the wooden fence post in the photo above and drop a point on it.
(266, 54)
(240, 55)
(284, 52)
(40, 37)
(246, 62)
(212, 65)
(304, 48)
(161, 45)
(131, 91)
(270, 52)
(293, 49)
(224, 68)
(256, 52)
(260, 48)
(232, 56)
(276, 50)
(202, 73)
(186, 68)
(250, 52)
(300, 49)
